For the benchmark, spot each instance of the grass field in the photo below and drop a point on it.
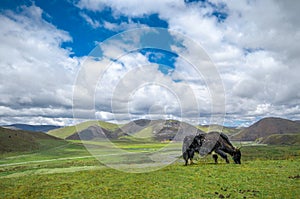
(69, 171)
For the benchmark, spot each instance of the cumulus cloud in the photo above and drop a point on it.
(255, 48)
(123, 84)
(36, 73)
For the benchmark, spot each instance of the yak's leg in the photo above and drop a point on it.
(186, 162)
(222, 154)
(185, 157)
(215, 157)
(191, 156)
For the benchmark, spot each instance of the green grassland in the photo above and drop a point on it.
(70, 171)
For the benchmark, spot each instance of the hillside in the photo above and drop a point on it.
(91, 133)
(266, 127)
(174, 128)
(159, 130)
(70, 130)
(225, 129)
(22, 141)
(141, 128)
(282, 139)
(34, 128)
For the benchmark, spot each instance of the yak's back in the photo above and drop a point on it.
(209, 143)
(226, 139)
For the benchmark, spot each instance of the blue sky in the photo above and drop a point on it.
(66, 16)
(252, 46)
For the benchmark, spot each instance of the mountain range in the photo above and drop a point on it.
(159, 130)
(269, 130)
(33, 128)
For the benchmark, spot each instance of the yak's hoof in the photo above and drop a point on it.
(215, 158)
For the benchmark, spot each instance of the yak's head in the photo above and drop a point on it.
(237, 156)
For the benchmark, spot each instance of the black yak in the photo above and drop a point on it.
(208, 143)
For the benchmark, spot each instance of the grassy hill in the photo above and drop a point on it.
(142, 128)
(281, 139)
(225, 129)
(24, 141)
(266, 127)
(70, 130)
(93, 132)
(159, 130)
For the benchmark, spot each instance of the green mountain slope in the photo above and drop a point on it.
(22, 141)
(70, 130)
(282, 139)
(266, 127)
(225, 129)
(92, 133)
(159, 130)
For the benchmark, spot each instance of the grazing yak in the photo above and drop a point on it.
(208, 143)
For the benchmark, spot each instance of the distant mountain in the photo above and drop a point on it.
(136, 126)
(225, 129)
(266, 127)
(91, 133)
(67, 131)
(141, 128)
(34, 128)
(159, 130)
(175, 130)
(138, 129)
(281, 139)
(22, 141)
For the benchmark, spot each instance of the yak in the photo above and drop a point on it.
(207, 144)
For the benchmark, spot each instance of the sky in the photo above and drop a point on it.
(208, 61)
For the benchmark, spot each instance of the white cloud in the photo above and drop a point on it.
(122, 26)
(255, 48)
(36, 73)
(132, 86)
(130, 8)
(90, 21)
